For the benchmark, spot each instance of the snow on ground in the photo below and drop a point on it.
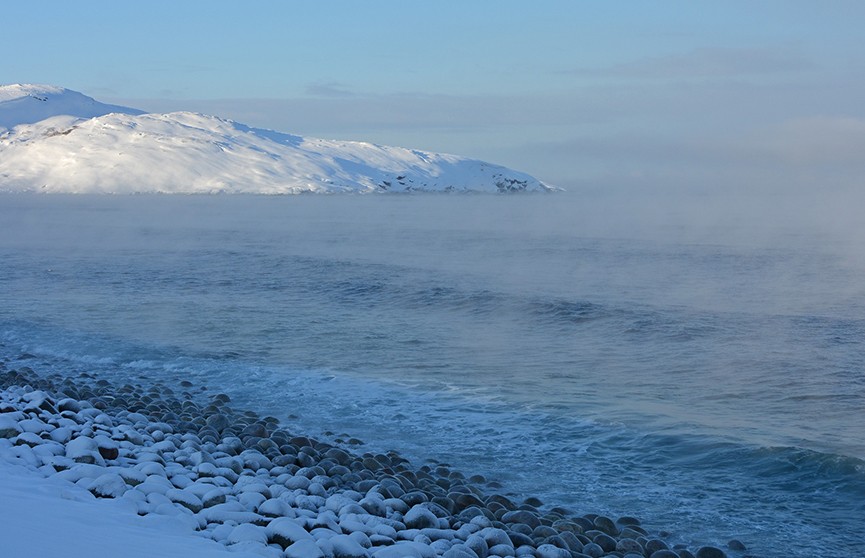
(28, 104)
(47, 518)
(56, 140)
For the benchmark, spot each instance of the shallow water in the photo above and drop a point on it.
(704, 371)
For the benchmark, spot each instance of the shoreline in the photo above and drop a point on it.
(245, 482)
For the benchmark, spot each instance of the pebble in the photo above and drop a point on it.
(247, 483)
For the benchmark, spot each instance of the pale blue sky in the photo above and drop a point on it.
(738, 94)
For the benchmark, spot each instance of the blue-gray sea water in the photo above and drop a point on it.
(700, 367)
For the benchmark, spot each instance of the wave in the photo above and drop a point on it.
(690, 482)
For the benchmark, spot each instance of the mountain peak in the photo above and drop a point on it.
(30, 103)
(18, 90)
(58, 140)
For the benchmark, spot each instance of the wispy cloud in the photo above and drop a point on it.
(710, 62)
(329, 89)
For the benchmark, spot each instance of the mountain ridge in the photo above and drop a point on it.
(58, 140)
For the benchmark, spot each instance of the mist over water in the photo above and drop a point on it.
(695, 360)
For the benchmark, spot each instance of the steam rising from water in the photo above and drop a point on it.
(677, 352)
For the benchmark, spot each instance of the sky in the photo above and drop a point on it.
(702, 96)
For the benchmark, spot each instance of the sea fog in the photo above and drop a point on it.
(694, 360)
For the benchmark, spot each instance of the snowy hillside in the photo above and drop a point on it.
(28, 104)
(57, 140)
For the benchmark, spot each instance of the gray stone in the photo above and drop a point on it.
(551, 551)
(494, 536)
(109, 485)
(710, 552)
(420, 517)
(628, 521)
(247, 532)
(629, 545)
(605, 541)
(186, 499)
(606, 525)
(460, 551)
(285, 532)
(28, 438)
(346, 547)
(69, 404)
(653, 545)
(571, 540)
(502, 550)
(9, 427)
(84, 450)
(632, 532)
(404, 549)
(478, 545)
(520, 539)
(521, 516)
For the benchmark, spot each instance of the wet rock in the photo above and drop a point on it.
(405, 549)
(710, 552)
(501, 500)
(415, 497)
(605, 541)
(571, 541)
(606, 525)
(534, 502)
(503, 550)
(593, 550)
(629, 546)
(632, 532)
(459, 551)
(550, 551)
(542, 532)
(520, 539)
(522, 516)
(653, 545)
(478, 545)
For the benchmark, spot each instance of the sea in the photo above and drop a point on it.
(696, 361)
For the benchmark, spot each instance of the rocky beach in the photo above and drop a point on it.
(249, 483)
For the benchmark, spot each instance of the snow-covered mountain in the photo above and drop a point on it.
(56, 140)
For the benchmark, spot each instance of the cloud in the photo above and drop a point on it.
(347, 113)
(711, 62)
(649, 133)
(329, 89)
